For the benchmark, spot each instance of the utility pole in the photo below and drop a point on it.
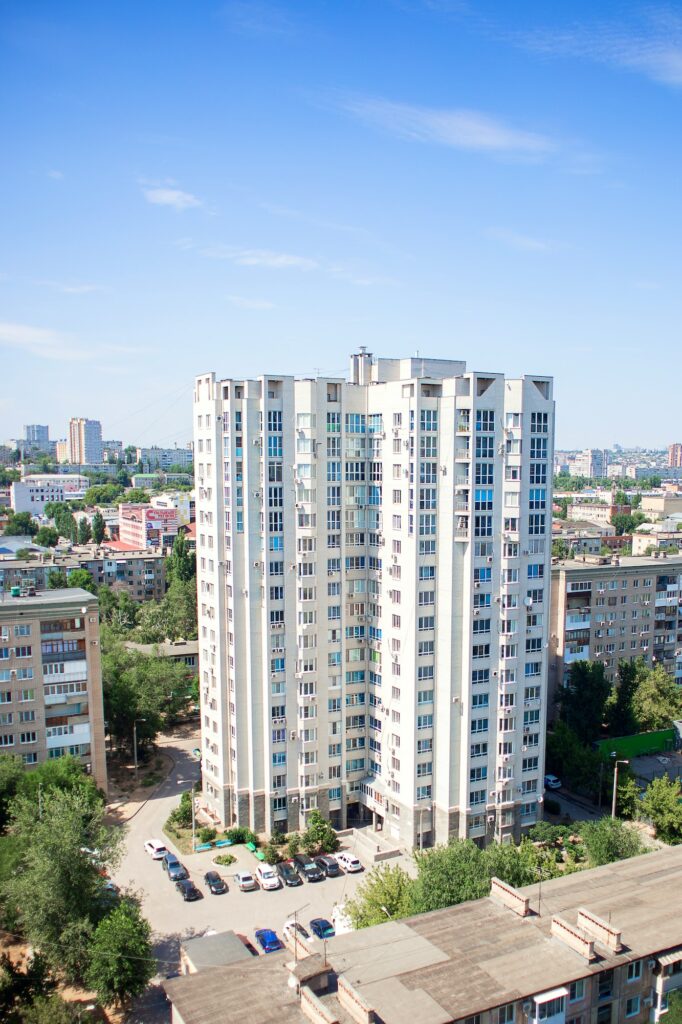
(193, 820)
(135, 721)
(615, 786)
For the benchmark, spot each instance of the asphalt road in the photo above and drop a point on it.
(171, 918)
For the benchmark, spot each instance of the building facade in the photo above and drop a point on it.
(140, 573)
(373, 562)
(51, 679)
(142, 526)
(593, 463)
(32, 493)
(675, 456)
(85, 441)
(616, 609)
(163, 458)
(35, 434)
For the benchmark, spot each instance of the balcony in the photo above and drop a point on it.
(78, 734)
(576, 654)
(579, 621)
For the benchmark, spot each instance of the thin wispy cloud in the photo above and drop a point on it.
(268, 258)
(651, 46)
(456, 128)
(253, 18)
(56, 175)
(75, 288)
(47, 343)
(173, 197)
(518, 241)
(243, 303)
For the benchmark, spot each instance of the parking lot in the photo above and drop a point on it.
(172, 919)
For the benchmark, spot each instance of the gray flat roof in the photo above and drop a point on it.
(46, 598)
(673, 563)
(453, 963)
(215, 950)
(165, 650)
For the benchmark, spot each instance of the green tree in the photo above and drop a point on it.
(447, 875)
(181, 563)
(627, 523)
(574, 762)
(117, 610)
(121, 958)
(385, 894)
(583, 701)
(20, 524)
(84, 531)
(11, 773)
(50, 1010)
(628, 798)
(319, 834)
(674, 1014)
(57, 894)
(662, 805)
(47, 537)
(103, 494)
(136, 496)
(56, 579)
(657, 701)
(560, 548)
(621, 716)
(81, 578)
(98, 528)
(608, 840)
(21, 986)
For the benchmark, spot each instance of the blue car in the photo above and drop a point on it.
(268, 941)
(322, 928)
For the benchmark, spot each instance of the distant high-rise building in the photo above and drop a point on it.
(112, 451)
(38, 435)
(61, 450)
(155, 458)
(593, 462)
(675, 456)
(85, 441)
(373, 563)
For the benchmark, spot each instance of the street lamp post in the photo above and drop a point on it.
(135, 721)
(615, 784)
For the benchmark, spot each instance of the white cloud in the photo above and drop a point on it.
(267, 258)
(57, 175)
(72, 289)
(459, 129)
(652, 47)
(243, 303)
(47, 343)
(174, 197)
(520, 242)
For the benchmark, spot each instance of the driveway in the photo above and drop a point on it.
(171, 918)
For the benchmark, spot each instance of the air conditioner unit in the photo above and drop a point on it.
(477, 584)
(444, 470)
(524, 749)
(651, 963)
(292, 735)
(507, 757)
(489, 559)
(477, 612)
(298, 675)
(528, 1007)
(257, 441)
(256, 494)
(292, 567)
(256, 565)
(491, 817)
(406, 444)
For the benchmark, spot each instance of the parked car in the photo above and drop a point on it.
(267, 876)
(292, 927)
(187, 890)
(288, 873)
(349, 862)
(245, 881)
(215, 883)
(308, 868)
(168, 859)
(322, 928)
(329, 865)
(268, 940)
(176, 871)
(155, 849)
(552, 782)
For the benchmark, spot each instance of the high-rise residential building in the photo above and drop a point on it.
(675, 456)
(611, 609)
(593, 462)
(85, 441)
(51, 678)
(38, 435)
(373, 568)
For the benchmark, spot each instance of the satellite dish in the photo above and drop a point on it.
(528, 601)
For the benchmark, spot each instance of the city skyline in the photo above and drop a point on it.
(270, 184)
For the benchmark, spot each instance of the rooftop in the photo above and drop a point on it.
(453, 963)
(179, 649)
(46, 599)
(215, 950)
(591, 564)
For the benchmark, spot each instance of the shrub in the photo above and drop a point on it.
(293, 844)
(241, 834)
(272, 854)
(182, 815)
(207, 834)
(224, 859)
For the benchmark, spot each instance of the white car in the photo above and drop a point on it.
(340, 919)
(292, 927)
(551, 782)
(267, 876)
(348, 862)
(155, 849)
(245, 881)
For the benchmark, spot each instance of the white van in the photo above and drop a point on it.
(348, 862)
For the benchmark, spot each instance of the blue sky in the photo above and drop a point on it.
(256, 186)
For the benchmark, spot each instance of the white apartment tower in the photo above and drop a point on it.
(373, 572)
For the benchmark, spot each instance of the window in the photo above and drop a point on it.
(576, 989)
(505, 1014)
(632, 1006)
(424, 792)
(552, 1008)
(635, 971)
(479, 725)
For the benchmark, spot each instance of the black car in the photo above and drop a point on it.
(188, 890)
(308, 868)
(288, 873)
(215, 883)
(329, 865)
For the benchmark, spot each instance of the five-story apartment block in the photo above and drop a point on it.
(373, 564)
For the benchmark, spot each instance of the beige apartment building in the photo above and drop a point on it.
(141, 573)
(51, 679)
(595, 947)
(611, 609)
